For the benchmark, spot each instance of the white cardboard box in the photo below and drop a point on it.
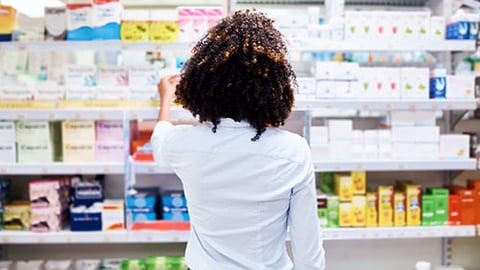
(319, 135)
(8, 153)
(78, 152)
(402, 118)
(454, 146)
(113, 215)
(306, 85)
(341, 150)
(320, 151)
(340, 130)
(7, 132)
(425, 118)
(32, 131)
(437, 27)
(460, 87)
(415, 83)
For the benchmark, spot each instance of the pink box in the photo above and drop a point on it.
(110, 151)
(108, 131)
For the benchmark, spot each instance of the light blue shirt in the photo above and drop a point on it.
(242, 195)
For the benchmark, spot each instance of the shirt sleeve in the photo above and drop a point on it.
(162, 128)
(305, 234)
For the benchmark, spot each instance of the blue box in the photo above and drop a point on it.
(141, 200)
(438, 86)
(142, 214)
(80, 222)
(175, 213)
(459, 30)
(87, 195)
(174, 199)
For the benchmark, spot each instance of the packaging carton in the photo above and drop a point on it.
(440, 199)
(454, 210)
(428, 210)
(333, 211)
(345, 214)
(371, 211)
(344, 187)
(359, 179)
(399, 209)
(359, 211)
(385, 206)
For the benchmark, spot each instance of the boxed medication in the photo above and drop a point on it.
(49, 219)
(16, 216)
(84, 218)
(385, 206)
(74, 131)
(399, 219)
(108, 131)
(7, 132)
(322, 211)
(345, 214)
(164, 26)
(359, 205)
(55, 23)
(344, 187)
(32, 131)
(143, 82)
(112, 83)
(106, 18)
(79, 21)
(175, 214)
(371, 209)
(428, 210)
(437, 27)
(134, 25)
(35, 152)
(454, 146)
(109, 151)
(340, 130)
(415, 83)
(460, 87)
(79, 152)
(413, 203)
(333, 205)
(113, 215)
(319, 135)
(141, 214)
(359, 179)
(454, 210)
(8, 153)
(49, 193)
(440, 201)
(86, 193)
(438, 84)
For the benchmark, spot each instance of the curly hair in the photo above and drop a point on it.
(239, 70)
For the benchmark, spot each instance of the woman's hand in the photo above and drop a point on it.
(166, 91)
(166, 88)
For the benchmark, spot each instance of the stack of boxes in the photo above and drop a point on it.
(37, 141)
(174, 206)
(109, 143)
(87, 205)
(49, 202)
(142, 205)
(8, 153)
(78, 141)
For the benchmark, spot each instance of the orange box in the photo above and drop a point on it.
(474, 184)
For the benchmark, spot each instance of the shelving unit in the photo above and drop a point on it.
(61, 168)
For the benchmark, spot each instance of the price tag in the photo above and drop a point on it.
(19, 116)
(77, 116)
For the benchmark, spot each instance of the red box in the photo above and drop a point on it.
(474, 184)
(454, 210)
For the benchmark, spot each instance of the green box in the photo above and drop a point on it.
(332, 211)
(440, 204)
(327, 182)
(428, 210)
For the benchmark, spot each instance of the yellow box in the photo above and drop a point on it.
(412, 205)
(399, 211)
(385, 206)
(359, 205)
(359, 182)
(371, 211)
(78, 152)
(78, 131)
(8, 19)
(345, 214)
(344, 187)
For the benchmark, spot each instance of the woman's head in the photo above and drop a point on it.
(239, 70)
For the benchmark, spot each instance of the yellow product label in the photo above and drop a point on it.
(345, 214)
(164, 32)
(344, 187)
(359, 182)
(134, 31)
(359, 211)
(399, 211)
(371, 211)
(412, 205)
(385, 206)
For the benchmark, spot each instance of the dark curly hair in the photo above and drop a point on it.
(239, 70)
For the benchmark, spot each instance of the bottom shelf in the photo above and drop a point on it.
(67, 237)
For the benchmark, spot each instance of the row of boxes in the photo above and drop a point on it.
(348, 80)
(67, 141)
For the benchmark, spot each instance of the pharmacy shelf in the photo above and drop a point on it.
(61, 168)
(398, 232)
(89, 114)
(393, 165)
(113, 237)
(151, 168)
(384, 45)
(132, 237)
(389, 105)
(308, 45)
(101, 45)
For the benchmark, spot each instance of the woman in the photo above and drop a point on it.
(245, 179)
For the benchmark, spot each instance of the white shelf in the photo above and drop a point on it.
(114, 237)
(118, 237)
(100, 45)
(388, 105)
(385, 45)
(151, 168)
(398, 232)
(306, 46)
(393, 165)
(88, 114)
(61, 168)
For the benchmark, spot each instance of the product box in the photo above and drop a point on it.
(415, 83)
(371, 210)
(322, 210)
(106, 17)
(174, 198)
(16, 216)
(7, 132)
(16, 93)
(344, 187)
(175, 214)
(86, 193)
(327, 182)
(55, 23)
(108, 131)
(86, 219)
(112, 83)
(385, 206)
(109, 151)
(135, 25)
(468, 205)
(319, 135)
(32, 131)
(49, 219)
(428, 210)
(359, 205)
(341, 150)
(399, 219)
(164, 26)
(141, 214)
(34, 153)
(333, 211)
(146, 199)
(391, 83)
(113, 215)
(454, 146)
(325, 89)
(401, 119)
(474, 184)
(425, 118)
(306, 86)
(143, 82)
(438, 84)
(345, 214)
(80, 93)
(78, 76)
(460, 87)
(49, 193)
(426, 151)
(49, 92)
(413, 204)
(75, 131)
(403, 150)
(79, 21)
(440, 197)
(8, 22)
(437, 28)
(78, 152)
(29, 265)
(340, 130)
(8, 153)
(454, 210)
(359, 179)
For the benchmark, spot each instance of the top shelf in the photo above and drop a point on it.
(307, 46)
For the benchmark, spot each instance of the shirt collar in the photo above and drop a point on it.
(229, 122)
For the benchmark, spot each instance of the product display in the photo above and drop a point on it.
(99, 62)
